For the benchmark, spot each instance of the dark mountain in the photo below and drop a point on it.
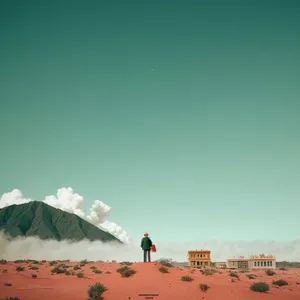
(46, 222)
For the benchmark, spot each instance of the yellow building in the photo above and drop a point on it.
(198, 258)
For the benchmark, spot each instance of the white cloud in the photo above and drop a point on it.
(71, 202)
(34, 248)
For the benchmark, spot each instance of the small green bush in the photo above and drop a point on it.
(280, 282)
(12, 298)
(233, 274)
(76, 268)
(166, 262)
(20, 269)
(203, 287)
(58, 270)
(93, 268)
(163, 270)
(4, 271)
(52, 263)
(33, 268)
(270, 273)
(68, 273)
(80, 275)
(95, 291)
(282, 269)
(187, 278)
(260, 287)
(128, 273)
(250, 276)
(208, 272)
(96, 271)
(126, 263)
(3, 261)
(7, 284)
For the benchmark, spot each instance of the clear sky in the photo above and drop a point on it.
(184, 116)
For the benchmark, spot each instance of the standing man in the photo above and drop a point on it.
(146, 244)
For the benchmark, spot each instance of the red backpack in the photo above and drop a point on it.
(153, 248)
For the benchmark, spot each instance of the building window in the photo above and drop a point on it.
(270, 263)
(201, 255)
(255, 264)
(261, 264)
(265, 263)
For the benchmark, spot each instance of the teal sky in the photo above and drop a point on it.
(206, 146)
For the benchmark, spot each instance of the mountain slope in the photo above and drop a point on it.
(46, 222)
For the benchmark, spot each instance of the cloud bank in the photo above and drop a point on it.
(34, 248)
(71, 202)
(67, 200)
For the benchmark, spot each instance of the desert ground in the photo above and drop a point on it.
(30, 280)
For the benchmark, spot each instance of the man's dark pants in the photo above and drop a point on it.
(147, 253)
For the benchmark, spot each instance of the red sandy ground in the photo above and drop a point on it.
(148, 279)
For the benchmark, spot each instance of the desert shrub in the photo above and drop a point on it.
(166, 262)
(233, 274)
(107, 272)
(33, 275)
(35, 262)
(7, 284)
(84, 261)
(80, 275)
(43, 261)
(68, 273)
(12, 298)
(282, 269)
(3, 261)
(203, 287)
(270, 273)
(163, 270)
(93, 268)
(280, 282)
(19, 261)
(126, 263)
(186, 278)
(33, 268)
(20, 269)
(4, 271)
(122, 269)
(95, 291)
(76, 268)
(207, 272)
(58, 270)
(260, 287)
(96, 271)
(52, 263)
(126, 271)
(250, 276)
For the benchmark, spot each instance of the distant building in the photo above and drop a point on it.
(198, 258)
(252, 262)
(262, 262)
(239, 263)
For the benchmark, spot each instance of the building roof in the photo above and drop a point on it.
(240, 258)
(198, 251)
(261, 256)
